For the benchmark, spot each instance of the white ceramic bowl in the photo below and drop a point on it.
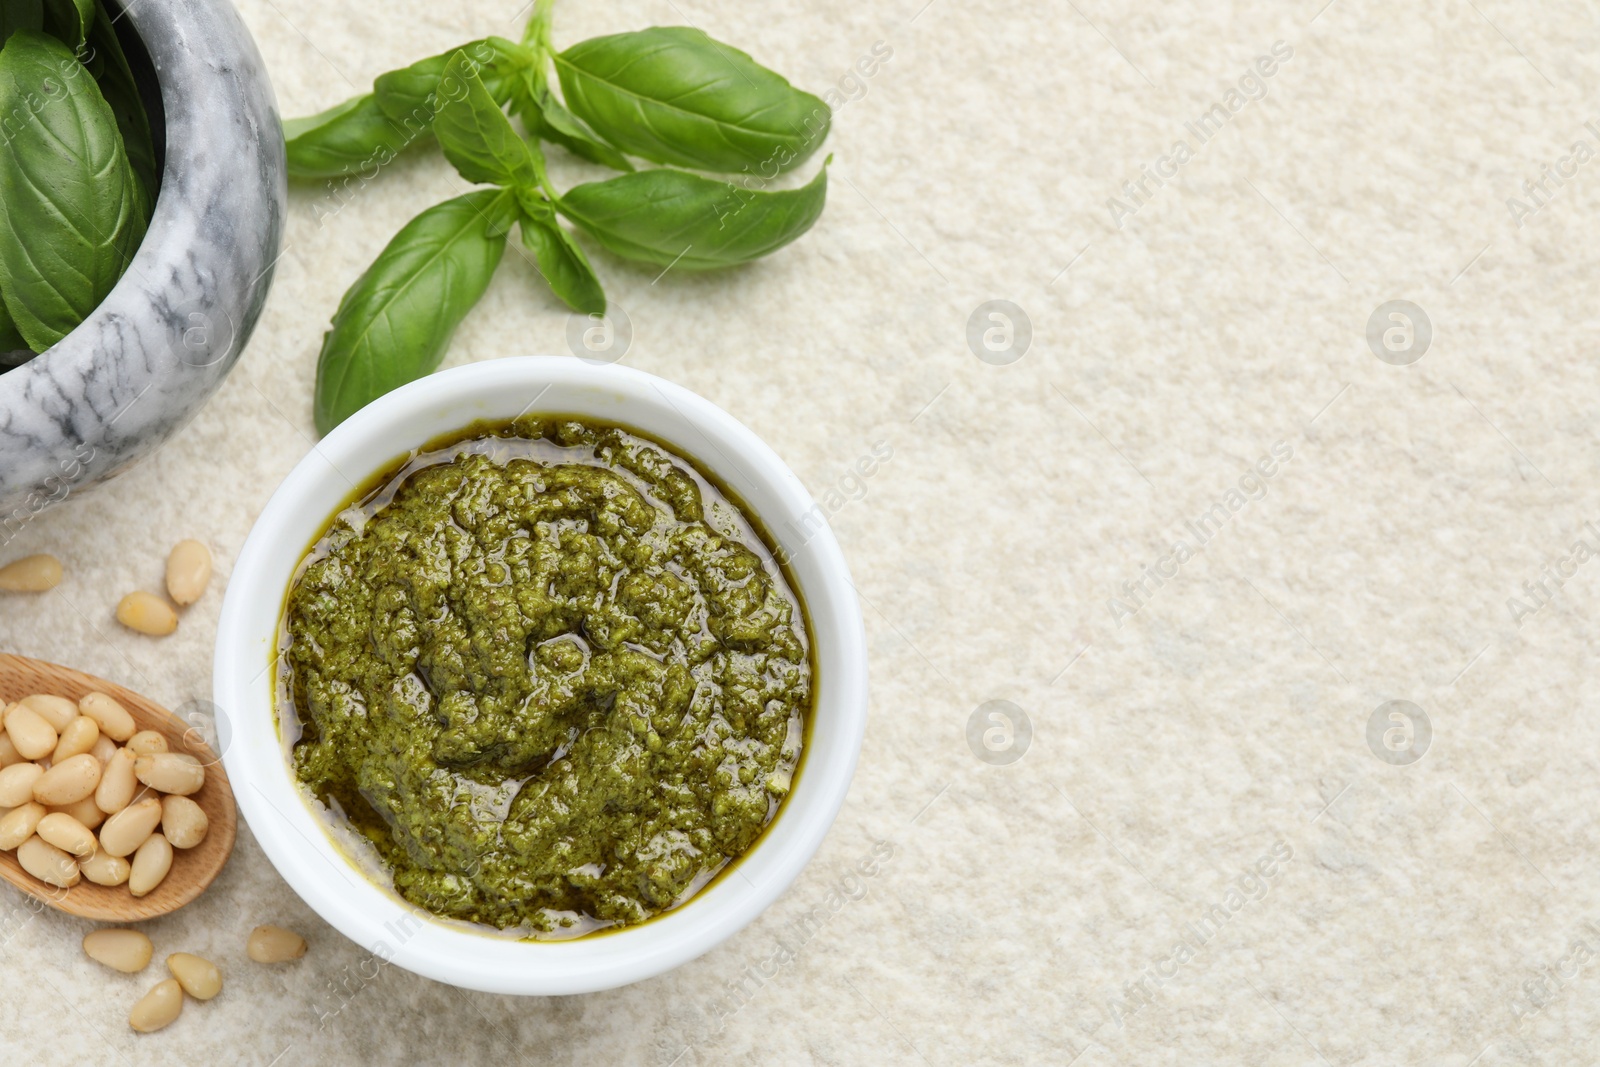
(370, 441)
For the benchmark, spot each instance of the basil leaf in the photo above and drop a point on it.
(475, 134)
(673, 95)
(549, 120)
(410, 96)
(347, 139)
(116, 82)
(397, 319)
(559, 259)
(72, 215)
(11, 342)
(20, 15)
(71, 19)
(672, 218)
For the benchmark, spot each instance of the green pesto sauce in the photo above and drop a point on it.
(550, 672)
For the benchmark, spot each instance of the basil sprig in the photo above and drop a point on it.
(77, 169)
(668, 95)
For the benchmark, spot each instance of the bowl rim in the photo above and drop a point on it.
(294, 839)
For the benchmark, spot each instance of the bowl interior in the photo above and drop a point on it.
(295, 839)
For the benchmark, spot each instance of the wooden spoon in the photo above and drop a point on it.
(193, 869)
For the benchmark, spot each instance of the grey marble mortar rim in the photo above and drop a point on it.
(147, 359)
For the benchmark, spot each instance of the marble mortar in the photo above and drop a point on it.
(122, 383)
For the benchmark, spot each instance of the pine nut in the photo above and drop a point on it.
(102, 868)
(129, 828)
(69, 781)
(57, 711)
(188, 572)
(117, 783)
(16, 784)
(183, 822)
(147, 613)
(171, 772)
(31, 574)
(274, 944)
(198, 975)
(104, 748)
(150, 865)
(8, 752)
(19, 824)
(48, 863)
(112, 717)
(147, 742)
(79, 737)
(128, 951)
(67, 834)
(33, 737)
(158, 1008)
(85, 811)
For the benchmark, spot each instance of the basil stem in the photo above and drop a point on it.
(395, 322)
(478, 138)
(546, 117)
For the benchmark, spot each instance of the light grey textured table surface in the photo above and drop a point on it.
(1094, 901)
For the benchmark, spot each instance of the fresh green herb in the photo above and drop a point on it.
(349, 138)
(73, 209)
(547, 119)
(671, 217)
(560, 260)
(475, 134)
(673, 95)
(412, 97)
(116, 82)
(477, 137)
(668, 95)
(397, 319)
(77, 169)
(70, 20)
(365, 133)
